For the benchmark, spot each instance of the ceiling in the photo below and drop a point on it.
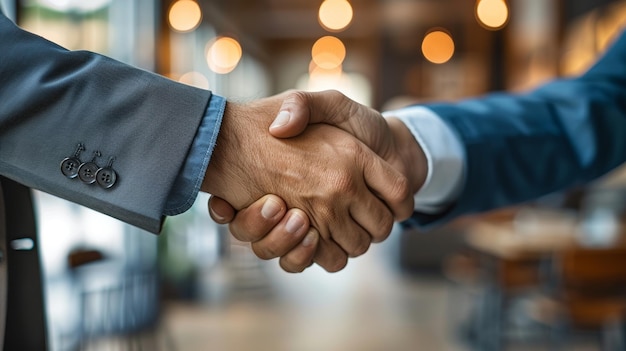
(381, 32)
(385, 36)
(297, 19)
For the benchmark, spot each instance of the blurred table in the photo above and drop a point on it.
(512, 256)
(504, 241)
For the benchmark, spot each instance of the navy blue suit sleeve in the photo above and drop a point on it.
(520, 147)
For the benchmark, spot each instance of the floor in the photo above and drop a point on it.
(368, 306)
(247, 304)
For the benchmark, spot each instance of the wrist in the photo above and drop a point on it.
(224, 169)
(410, 153)
(240, 163)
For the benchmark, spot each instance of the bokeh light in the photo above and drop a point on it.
(315, 70)
(492, 14)
(185, 15)
(438, 47)
(335, 15)
(223, 54)
(195, 79)
(328, 52)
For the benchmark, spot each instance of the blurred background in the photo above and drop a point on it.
(540, 276)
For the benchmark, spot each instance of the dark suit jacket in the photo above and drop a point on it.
(52, 100)
(520, 147)
(22, 317)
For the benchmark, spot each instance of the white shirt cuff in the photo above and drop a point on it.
(444, 153)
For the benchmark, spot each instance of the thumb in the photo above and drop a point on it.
(299, 109)
(293, 117)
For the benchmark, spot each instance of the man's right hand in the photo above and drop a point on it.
(346, 191)
(389, 138)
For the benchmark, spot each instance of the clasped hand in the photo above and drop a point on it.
(344, 178)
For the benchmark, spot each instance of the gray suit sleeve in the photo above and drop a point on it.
(52, 100)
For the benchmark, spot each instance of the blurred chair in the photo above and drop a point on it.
(585, 291)
(614, 333)
(495, 278)
(119, 305)
(494, 286)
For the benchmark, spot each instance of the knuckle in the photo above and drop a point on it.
(342, 106)
(361, 247)
(336, 94)
(337, 264)
(264, 252)
(352, 108)
(398, 195)
(290, 266)
(343, 184)
(239, 234)
(353, 146)
(326, 214)
(384, 228)
(400, 188)
(299, 97)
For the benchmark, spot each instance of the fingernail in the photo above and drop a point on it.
(216, 215)
(282, 119)
(270, 208)
(294, 223)
(309, 239)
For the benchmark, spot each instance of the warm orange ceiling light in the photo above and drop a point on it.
(328, 52)
(315, 70)
(493, 14)
(185, 15)
(438, 47)
(223, 55)
(335, 15)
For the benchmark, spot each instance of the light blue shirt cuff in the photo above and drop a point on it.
(188, 182)
(444, 153)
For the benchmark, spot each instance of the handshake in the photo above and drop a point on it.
(337, 173)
